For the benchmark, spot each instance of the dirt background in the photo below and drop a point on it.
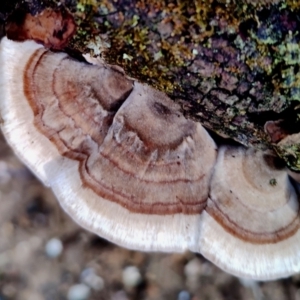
(30, 216)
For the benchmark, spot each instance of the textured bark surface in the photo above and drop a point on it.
(233, 66)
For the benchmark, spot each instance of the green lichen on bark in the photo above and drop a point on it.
(291, 155)
(232, 65)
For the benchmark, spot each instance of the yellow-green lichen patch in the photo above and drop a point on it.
(234, 63)
(157, 34)
(291, 155)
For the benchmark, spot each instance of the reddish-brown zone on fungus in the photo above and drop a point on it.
(173, 166)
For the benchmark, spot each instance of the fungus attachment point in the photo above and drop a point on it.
(252, 216)
(52, 27)
(275, 131)
(120, 157)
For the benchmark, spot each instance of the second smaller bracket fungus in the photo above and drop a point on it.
(120, 157)
(251, 222)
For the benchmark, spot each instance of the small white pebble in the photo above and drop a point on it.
(193, 269)
(79, 292)
(90, 278)
(54, 248)
(131, 277)
(184, 295)
(248, 283)
(254, 286)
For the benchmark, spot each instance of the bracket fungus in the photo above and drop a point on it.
(120, 157)
(252, 214)
(126, 164)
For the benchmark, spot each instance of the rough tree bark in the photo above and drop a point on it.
(232, 65)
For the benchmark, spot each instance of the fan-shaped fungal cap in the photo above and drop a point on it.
(252, 216)
(120, 157)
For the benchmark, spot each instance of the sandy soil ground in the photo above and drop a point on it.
(30, 216)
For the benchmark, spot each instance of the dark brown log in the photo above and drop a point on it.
(233, 66)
